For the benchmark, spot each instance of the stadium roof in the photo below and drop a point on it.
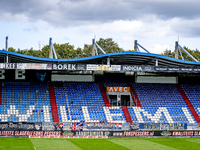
(122, 58)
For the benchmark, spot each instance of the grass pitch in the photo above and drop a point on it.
(101, 144)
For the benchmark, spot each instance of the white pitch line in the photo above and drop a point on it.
(35, 148)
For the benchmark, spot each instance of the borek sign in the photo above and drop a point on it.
(118, 89)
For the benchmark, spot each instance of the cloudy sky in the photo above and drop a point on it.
(156, 24)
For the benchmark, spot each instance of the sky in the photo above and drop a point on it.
(155, 24)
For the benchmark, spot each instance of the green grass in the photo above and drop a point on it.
(101, 144)
(16, 143)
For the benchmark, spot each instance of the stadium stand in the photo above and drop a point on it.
(191, 95)
(52, 93)
(25, 102)
(84, 102)
(161, 103)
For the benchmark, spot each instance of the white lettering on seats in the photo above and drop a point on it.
(154, 117)
(187, 114)
(109, 115)
(13, 111)
(86, 115)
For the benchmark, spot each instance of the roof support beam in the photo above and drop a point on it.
(7, 49)
(176, 49)
(108, 60)
(135, 46)
(156, 62)
(93, 49)
(95, 44)
(180, 53)
(187, 53)
(138, 45)
(54, 50)
(51, 49)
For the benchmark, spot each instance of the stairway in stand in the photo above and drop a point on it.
(104, 95)
(134, 96)
(53, 103)
(189, 104)
(127, 114)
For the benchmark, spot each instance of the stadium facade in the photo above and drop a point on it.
(110, 92)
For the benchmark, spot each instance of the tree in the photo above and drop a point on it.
(109, 46)
(11, 49)
(80, 53)
(168, 53)
(87, 50)
(63, 51)
(45, 52)
(194, 53)
(67, 51)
